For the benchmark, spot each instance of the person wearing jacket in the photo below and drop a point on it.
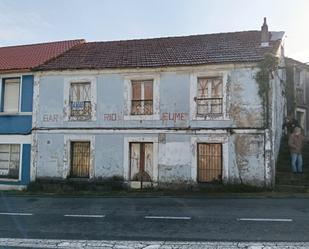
(296, 140)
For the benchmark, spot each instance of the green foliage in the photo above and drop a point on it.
(267, 67)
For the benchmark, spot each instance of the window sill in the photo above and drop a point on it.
(15, 113)
(141, 117)
(9, 180)
(211, 118)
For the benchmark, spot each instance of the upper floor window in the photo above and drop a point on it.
(11, 93)
(209, 100)
(80, 101)
(142, 97)
(9, 161)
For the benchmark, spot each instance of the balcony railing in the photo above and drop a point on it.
(142, 107)
(209, 106)
(80, 110)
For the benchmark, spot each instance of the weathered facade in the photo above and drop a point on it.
(16, 102)
(183, 112)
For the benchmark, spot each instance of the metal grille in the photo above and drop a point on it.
(80, 159)
(80, 101)
(207, 106)
(80, 110)
(142, 107)
(209, 162)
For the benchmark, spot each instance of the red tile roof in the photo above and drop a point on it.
(170, 51)
(26, 57)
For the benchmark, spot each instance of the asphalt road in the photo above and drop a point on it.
(163, 218)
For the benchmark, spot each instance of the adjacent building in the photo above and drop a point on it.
(158, 111)
(297, 74)
(16, 106)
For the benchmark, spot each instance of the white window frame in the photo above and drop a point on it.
(126, 155)
(194, 77)
(68, 139)
(10, 142)
(66, 97)
(2, 80)
(219, 138)
(128, 96)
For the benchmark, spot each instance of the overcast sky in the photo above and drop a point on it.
(32, 21)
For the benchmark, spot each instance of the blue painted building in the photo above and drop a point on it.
(16, 108)
(160, 111)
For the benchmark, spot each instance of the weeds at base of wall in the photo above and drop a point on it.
(59, 186)
(116, 185)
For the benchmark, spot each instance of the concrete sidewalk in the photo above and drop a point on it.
(107, 244)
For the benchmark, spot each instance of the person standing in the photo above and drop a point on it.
(296, 140)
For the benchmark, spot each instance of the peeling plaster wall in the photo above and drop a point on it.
(245, 104)
(175, 131)
(244, 108)
(247, 157)
(243, 157)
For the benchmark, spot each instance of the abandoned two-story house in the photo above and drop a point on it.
(16, 95)
(176, 109)
(297, 83)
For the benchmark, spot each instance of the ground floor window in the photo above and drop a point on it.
(209, 162)
(80, 159)
(141, 162)
(9, 161)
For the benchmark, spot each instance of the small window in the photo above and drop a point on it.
(11, 91)
(142, 97)
(80, 101)
(9, 161)
(209, 96)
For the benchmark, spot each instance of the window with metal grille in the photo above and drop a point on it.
(80, 101)
(141, 162)
(80, 159)
(11, 92)
(209, 96)
(9, 161)
(142, 97)
(209, 162)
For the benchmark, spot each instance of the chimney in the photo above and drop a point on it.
(265, 34)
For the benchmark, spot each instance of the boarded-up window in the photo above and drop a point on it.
(209, 96)
(142, 97)
(80, 101)
(80, 159)
(11, 88)
(141, 162)
(9, 161)
(209, 162)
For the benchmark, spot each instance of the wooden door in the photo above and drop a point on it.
(80, 159)
(209, 162)
(141, 162)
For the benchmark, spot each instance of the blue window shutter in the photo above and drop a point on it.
(2, 96)
(27, 93)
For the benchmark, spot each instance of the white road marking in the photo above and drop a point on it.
(20, 214)
(263, 219)
(85, 215)
(168, 217)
